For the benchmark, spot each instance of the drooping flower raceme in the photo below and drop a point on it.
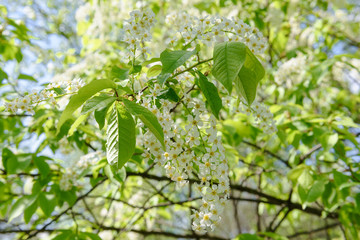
(138, 31)
(28, 102)
(193, 150)
(211, 29)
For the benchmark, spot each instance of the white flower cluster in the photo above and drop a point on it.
(30, 101)
(194, 150)
(263, 117)
(292, 71)
(138, 31)
(211, 29)
(71, 174)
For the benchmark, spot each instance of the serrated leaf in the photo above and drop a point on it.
(171, 60)
(97, 102)
(84, 94)
(229, 57)
(120, 136)
(147, 117)
(211, 94)
(249, 76)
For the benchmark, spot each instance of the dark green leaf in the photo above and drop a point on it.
(211, 94)
(170, 94)
(42, 165)
(229, 57)
(47, 203)
(147, 117)
(249, 76)
(3, 75)
(171, 60)
(29, 211)
(135, 69)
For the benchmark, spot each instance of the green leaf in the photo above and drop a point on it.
(171, 60)
(100, 115)
(329, 140)
(147, 117)
(18, 208)
(315, 191)
(3, 75)
(120, 136)
(248, 236)
(77, 123)
(42, 165)
(249, 76)
(15, 163)
(229, 57)
(47, 203)
(65, 235)
(91, 236)
(97, 102)
(119, 73)
(116, 176)
(305, 179)
(211, 94)
(339, 178)
(84, 94)
(147, 62)
(154, 71)
(29, 211)
(26, 77)
(302, 194)
(170, 94)
(135, 69)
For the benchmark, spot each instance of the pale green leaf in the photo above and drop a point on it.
(84, 94)
(120, 136)
(97, 102)
(315, 191)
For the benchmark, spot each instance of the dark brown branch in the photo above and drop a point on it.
(65, 211)
(314, 230)
(142, 232)
(268, 198)
(268, 152)
(308, 154)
